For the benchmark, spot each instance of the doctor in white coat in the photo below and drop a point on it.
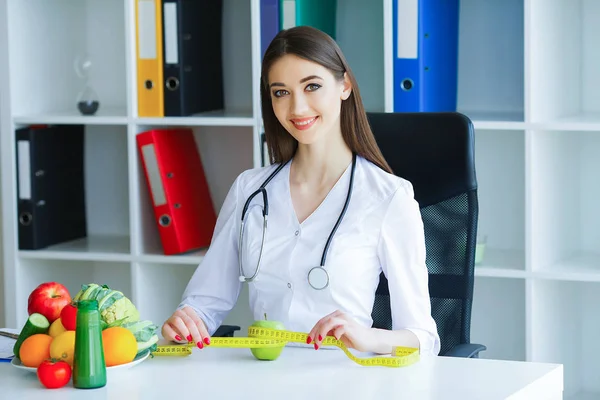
(336, 217)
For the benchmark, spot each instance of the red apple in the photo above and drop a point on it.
(48, 299)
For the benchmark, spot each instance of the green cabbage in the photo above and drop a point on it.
(115, 308)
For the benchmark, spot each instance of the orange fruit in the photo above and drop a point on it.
(120, 346)
(63, 347)
(35, 349)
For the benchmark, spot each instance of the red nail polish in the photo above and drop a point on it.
(207, 340)
(308, 340)
(320, 338)
(316, 346)
(200, 345)
(177, 337)
(189, 338)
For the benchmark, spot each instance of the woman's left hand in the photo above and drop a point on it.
(343, 328)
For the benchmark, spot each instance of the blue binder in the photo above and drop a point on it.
(425, 48)
(269, 23)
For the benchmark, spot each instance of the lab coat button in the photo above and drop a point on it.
(296, 233)
(289, 285)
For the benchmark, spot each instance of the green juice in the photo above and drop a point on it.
(89, 368)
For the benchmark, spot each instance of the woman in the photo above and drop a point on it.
(333, 202)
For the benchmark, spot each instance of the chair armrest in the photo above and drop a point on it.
(226, 331)
(466, 350)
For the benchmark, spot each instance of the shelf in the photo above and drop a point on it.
(93, 248)
(502, 263)
(191, 258)
(70, 273)
(578, 122)
(114, 116)
(504, 334)
(563, 78)
(45, 39)
(225, 153)
(213, 118)
(500, 165)
(490, 59)
(564, 212)
(564, 329)
(583, 267)
(496, 120)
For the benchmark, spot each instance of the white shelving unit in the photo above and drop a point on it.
(528, 78)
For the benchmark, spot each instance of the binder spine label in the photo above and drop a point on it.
(156, 184)
(170, 31)
(24, 170)
(407, 34)
(147, 29)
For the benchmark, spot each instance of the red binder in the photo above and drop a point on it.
(183, 208)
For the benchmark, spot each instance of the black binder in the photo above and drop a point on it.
(50, 185)
(192, 56)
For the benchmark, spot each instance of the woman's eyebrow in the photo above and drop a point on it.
(308, 78)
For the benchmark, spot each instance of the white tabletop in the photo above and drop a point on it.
(302, 373)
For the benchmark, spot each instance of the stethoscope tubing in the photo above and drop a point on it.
(262, 190)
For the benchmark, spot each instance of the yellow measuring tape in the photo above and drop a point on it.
(266, 337)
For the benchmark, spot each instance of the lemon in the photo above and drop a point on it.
(56, 328)
(63, 347)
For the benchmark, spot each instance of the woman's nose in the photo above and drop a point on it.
(298, 105)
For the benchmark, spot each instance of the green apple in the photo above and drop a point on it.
(268, 353)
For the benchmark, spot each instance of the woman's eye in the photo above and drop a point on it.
(312, 87)
(279, 93)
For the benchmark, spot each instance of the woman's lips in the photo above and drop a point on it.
(304, 123)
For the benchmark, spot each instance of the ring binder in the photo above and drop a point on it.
(50, 192)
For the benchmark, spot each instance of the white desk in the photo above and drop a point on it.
(303, 373)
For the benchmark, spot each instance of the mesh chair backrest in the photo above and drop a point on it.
(434, 151)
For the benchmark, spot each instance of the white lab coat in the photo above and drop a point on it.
(381, 231)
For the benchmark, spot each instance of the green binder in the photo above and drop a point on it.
(320, 14)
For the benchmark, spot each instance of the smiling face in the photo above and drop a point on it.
(306, 98)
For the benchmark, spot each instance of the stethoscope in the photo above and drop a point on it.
(318, 278)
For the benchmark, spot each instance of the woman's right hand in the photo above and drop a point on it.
(186, 326)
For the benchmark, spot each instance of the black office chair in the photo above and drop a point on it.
(435, 152)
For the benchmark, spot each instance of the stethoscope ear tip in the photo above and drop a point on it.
(242, 279)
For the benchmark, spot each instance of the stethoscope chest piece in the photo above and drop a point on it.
(318, 278)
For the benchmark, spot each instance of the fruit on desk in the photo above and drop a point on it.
(268, 353)
(54, 374)
(56, 328)
(120, 346)
(36, 324)
(48, 299)
(63, 347)
(68, 316)
(35, 349)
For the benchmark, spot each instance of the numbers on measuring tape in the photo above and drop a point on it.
(265, 337)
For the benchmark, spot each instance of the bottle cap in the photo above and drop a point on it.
(87, 305)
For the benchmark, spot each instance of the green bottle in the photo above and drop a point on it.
(89, 368)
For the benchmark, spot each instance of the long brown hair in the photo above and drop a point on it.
(317, 46)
